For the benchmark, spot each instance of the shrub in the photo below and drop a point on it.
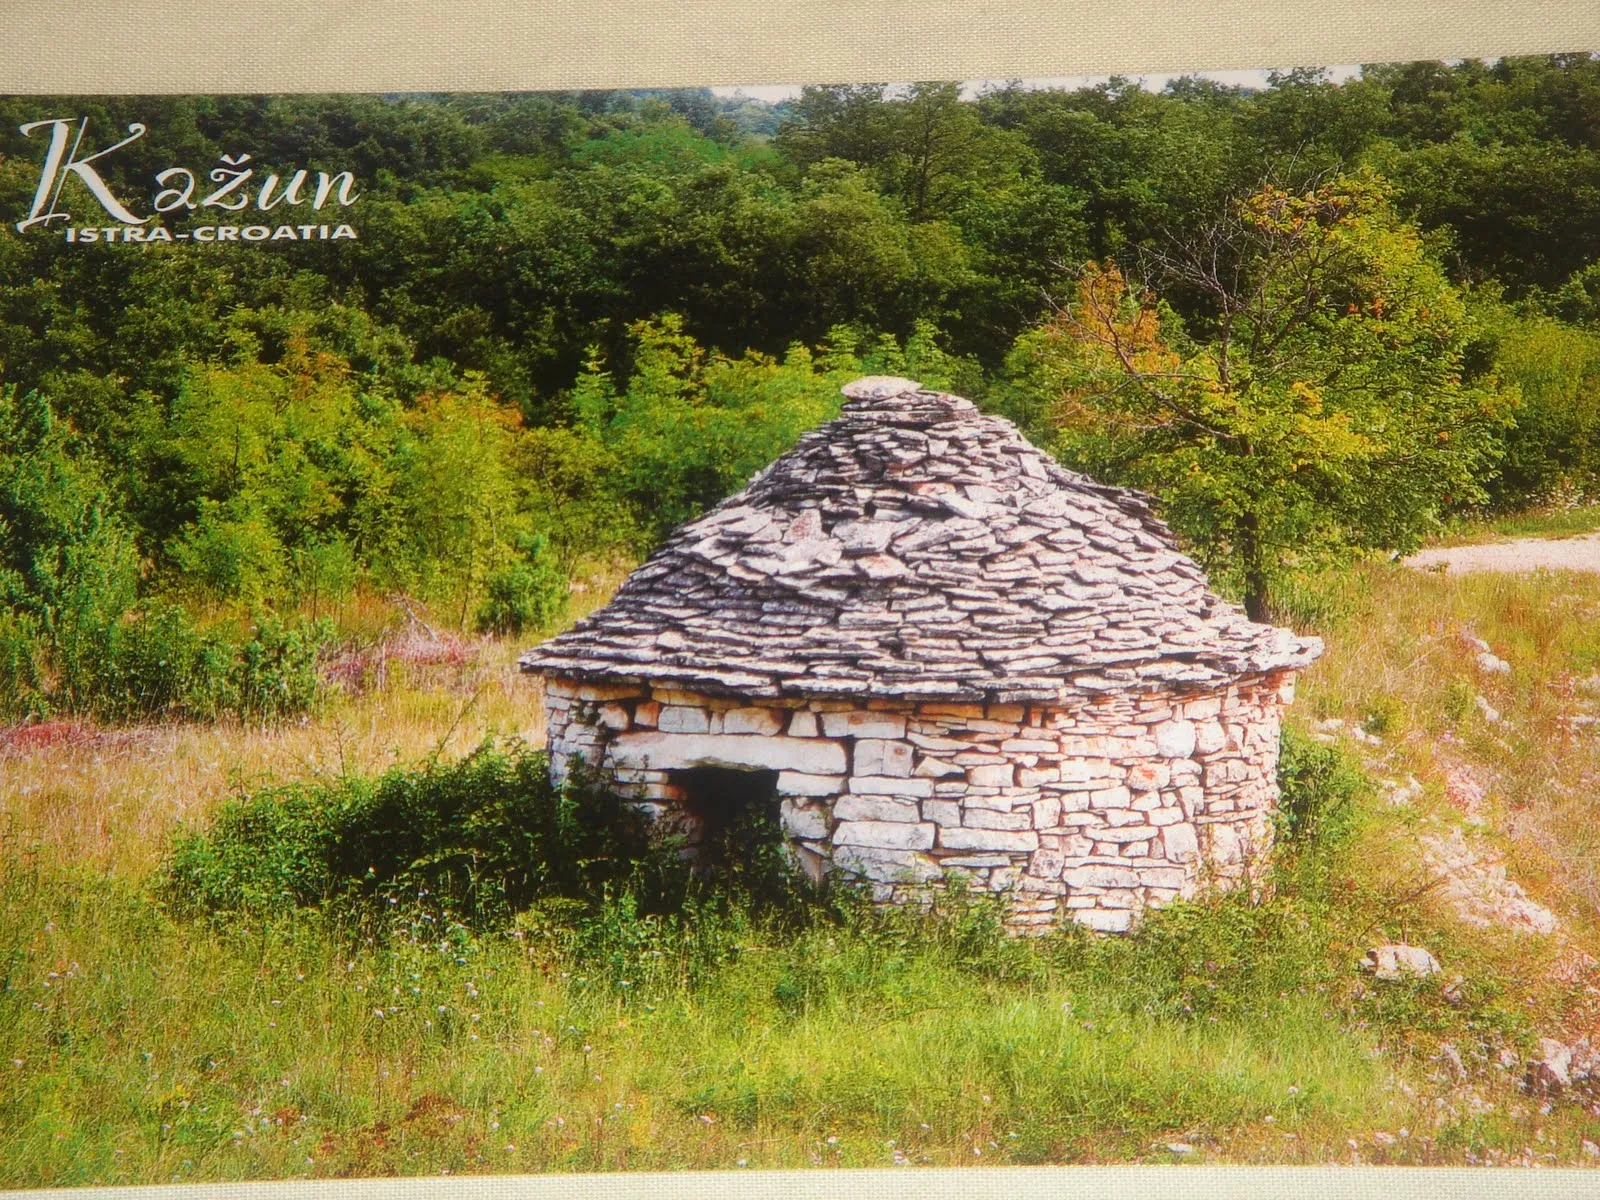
(67, 563)
(479, 839)
(1553, 446)
(275, 672)
(158, 664)
(1319, 788)
(530, 593)
(231, 552)
(20, 655)
(325, 570)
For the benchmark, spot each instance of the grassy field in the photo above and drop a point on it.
(139, 1046)
(1552, 522)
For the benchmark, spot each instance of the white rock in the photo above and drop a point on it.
(752, 720)
(992, 776)
(1401, 794)
(677, 718)
(964, 838)
(878, 756)
(885, 835)
(886, 866)
(809, 822)
(1100, 875)
(862, 724)
(1175, 739)
(1396, 960)
(890, 785)
(664, 751)
(1226, 845)
(1104, 920)
(1489, 664)
(803, 723)
(876, 808)
(794, 783)
(880, 387)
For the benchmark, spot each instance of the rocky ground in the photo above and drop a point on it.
(1517, 554)
(1459, 850)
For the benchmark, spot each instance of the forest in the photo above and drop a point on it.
(1317, 320)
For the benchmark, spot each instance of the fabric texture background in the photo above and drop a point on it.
(169, 46)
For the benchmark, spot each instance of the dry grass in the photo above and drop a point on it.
(108, 800)
(1400, 666)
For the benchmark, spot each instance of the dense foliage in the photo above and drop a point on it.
(570, 321)
(470, 844)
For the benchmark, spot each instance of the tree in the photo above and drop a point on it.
(67, 566)
(1316, 405)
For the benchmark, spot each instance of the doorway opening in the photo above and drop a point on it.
(729, 815)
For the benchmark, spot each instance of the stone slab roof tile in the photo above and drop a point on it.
(916, 547)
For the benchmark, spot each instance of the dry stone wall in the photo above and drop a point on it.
(1091, 811)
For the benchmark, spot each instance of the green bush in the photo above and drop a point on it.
(1552, 446)
(21, 692)
(274, 673)
(529, 594)
(1320, 787)
(479, 839)
(158, 664)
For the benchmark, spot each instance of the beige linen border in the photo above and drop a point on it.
(170, 46)
(950, 1183)
(177, 46)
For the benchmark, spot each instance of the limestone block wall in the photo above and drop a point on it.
(1091, 811)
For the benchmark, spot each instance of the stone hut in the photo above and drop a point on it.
(931, 649)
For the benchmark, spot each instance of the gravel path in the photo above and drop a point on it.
(1520, 555)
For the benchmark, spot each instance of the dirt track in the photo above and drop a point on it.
(1520, 555)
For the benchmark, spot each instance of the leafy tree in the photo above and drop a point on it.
(528, 594)
(1552, 450)
(1317, 407)
(67, 568)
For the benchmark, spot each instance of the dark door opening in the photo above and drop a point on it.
(727, 812)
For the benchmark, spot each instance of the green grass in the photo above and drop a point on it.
(138, 1046)
(153, 1050)
(1530, 523)
(143, 1042)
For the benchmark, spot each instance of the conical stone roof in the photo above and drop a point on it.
(917, 548)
